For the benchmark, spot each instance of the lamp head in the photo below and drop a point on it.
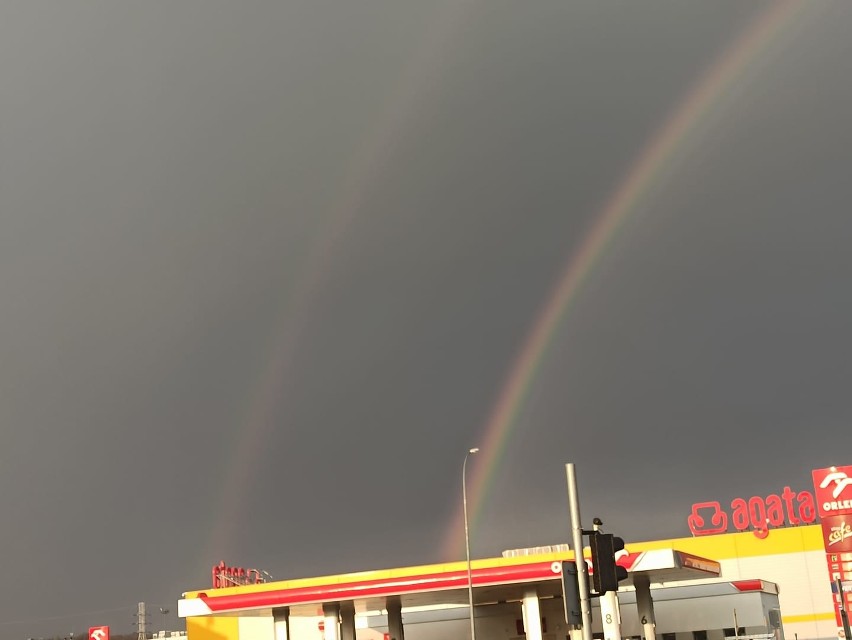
(474, 450)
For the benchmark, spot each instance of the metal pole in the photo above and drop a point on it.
(577, 536)
(467, 543)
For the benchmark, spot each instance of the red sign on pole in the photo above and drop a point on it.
(837, 534)
(833, 492)
(833, 489)
(98, 633)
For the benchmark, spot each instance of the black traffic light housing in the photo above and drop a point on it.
(607, 574)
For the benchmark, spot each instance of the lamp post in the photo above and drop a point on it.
(467, 542)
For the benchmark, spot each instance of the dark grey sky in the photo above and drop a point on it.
(265, 267)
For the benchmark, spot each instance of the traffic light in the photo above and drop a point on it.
(607, 574)
(571, 594)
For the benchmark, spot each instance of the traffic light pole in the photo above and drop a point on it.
(577, 538)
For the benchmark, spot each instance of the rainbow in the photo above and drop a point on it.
(365, 168)
(655, 159)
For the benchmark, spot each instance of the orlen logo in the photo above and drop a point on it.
(99, 633)
(833, 488)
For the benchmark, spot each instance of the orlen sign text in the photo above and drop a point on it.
(709, 518)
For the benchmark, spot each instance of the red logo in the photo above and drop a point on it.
(833, 488)
(702, 510)
(98, 633)
(225, 576)
(837, 534)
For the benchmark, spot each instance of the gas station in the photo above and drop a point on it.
(516, 597)
(519, 587)
(779, 576)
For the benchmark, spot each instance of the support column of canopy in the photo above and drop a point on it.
(331, 623)
(645, 606)
(347, 620)
(610, 616)
(532, 615)
(281, 617)
(395, 628)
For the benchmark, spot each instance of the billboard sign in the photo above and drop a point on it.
(833, 488)
(837, 534)
(833, 492)
(756, 513)
(99, 633)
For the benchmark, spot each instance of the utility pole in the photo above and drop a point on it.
(577, 537)
(141, 622)
(844, 615)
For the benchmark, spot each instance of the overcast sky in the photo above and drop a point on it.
(266, 267)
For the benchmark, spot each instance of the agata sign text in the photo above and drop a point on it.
(757, 513)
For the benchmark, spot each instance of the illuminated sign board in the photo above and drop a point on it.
(99, 633)
(757, 513)
(225, 576)
(833, 487)
(833, 491)
(837, 534)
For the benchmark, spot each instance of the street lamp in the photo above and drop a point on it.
(467, 542)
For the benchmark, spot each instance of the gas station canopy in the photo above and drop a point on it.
(494, 580)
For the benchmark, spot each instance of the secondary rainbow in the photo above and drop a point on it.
(652, 162)
(366, 167)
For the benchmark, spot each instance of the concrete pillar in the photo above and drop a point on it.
(395, 628)
(532, 615)
(347, 621)
(610, 616)
(645, 606)
(281, 616)
(331, 612)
